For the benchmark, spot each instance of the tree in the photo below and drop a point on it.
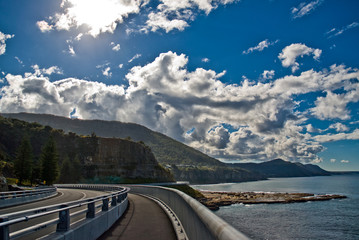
(76, 169)
(66, 175)
(23, 162)
(49, 162)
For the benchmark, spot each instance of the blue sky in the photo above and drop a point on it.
(245, 80)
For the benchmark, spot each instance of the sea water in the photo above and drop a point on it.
(333, 219)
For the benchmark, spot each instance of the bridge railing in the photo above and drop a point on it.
(114, 204)
(13, 198)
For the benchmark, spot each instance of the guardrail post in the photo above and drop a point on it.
(90, 210)
(119, 197)
(4, 230)
(114, 201)
(64, 220)
(105, 204)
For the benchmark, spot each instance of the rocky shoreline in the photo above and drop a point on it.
(214, 200)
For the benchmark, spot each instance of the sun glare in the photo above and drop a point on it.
(98, 15)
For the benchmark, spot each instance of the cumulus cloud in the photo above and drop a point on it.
(44, 26)
(268, 74)
(260, 47)
(115, 47)
(44, 71)
(71, 50)
(290, 53)
(344, 161)
(339, 127)
(205, 60)
(100, 16)
(336, 32)
(3, 38)
(106, 72)
(305, 8)
(333, 160)
(230, 121)
(170, 15)
(332, 106)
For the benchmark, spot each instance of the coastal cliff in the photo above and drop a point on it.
(107, 160)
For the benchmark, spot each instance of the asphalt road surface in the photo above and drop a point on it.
(144, 219)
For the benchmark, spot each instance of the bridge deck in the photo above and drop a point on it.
(144, 219)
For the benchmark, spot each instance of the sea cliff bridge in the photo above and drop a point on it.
(83, 211)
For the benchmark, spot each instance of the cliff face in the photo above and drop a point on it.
(118, 157)
(102, 159)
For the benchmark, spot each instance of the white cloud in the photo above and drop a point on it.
(339, 127)
(19, 60)
(120, 65)
(336, 32)
(305, 8)
(337, 137)
(40, 72)
(135, 57)
(3, 38)
(235, 121)
(100, 16)
(71, 50)
(268, 74)
(170, 15)
(331, 106)
(205, 60)
(344, 161)
(115, 47)
(44, 26)
(333, 160)
(159, 20)
(106, 72)
(290, 53)
(260, 47)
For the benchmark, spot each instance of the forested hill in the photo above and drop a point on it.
(165, 149)
(101, 159)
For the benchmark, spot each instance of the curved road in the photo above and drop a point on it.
(64, 195)
(144, 219)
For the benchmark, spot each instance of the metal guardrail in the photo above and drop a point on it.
(106, 201)
(25, 193)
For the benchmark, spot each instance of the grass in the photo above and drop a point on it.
(187, 190)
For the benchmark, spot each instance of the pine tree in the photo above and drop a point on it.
(49, 162)
(66, 175)
(24, 160)
(76, 170)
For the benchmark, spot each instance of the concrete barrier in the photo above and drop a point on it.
(198, 221)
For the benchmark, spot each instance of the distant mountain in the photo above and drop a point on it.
(281, 168)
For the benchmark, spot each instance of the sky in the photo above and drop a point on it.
(240, 80)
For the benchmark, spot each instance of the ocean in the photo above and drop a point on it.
(333, 219)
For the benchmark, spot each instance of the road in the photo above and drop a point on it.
(64, 195)
(144, 219)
